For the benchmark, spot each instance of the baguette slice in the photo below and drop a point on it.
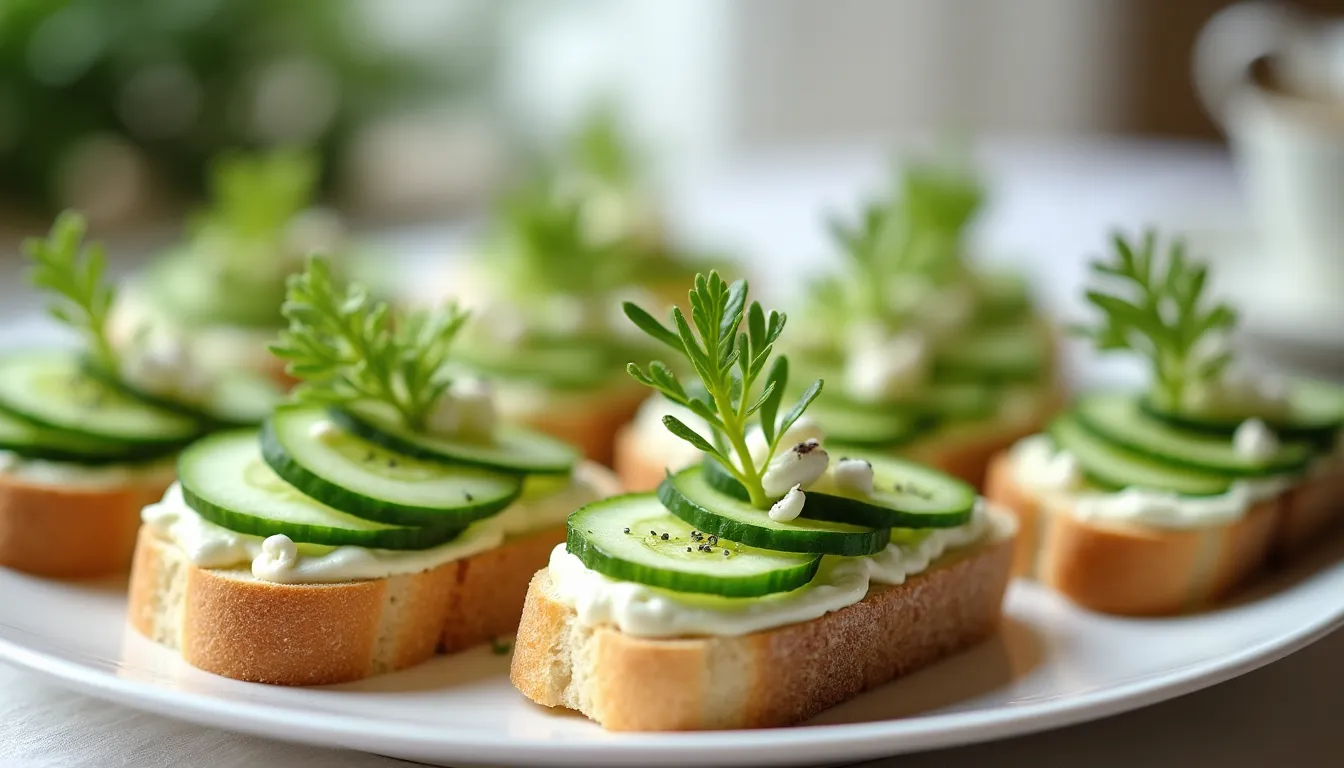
(771, 678)
(227, 622)
(71, 532)
(1143, 570)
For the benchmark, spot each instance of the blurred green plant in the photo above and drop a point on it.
(903, 242)
(239, 249)
(180, 80)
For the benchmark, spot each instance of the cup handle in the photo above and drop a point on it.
(1230, 41)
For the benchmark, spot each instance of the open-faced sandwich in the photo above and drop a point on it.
(1159, 501)
(220, 289)
(384, 514)
(772, 579)
(88, 436)
(929, 357)
(563, 253)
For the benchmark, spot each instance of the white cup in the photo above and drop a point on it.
(1274, 79)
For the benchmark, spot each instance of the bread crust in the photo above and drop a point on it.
(71, 531)
(1144, 570)
(1312, 509)
(592, 426)
(770, 678)
(227, 622)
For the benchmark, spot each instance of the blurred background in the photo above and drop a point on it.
(422, 109)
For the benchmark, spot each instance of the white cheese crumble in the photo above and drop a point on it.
(1254, 441)
(789, 507)
(802, 464)
(880, 366)
(853, 476)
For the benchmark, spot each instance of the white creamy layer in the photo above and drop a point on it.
(215, 347)
(42, 472)
(646, 611)
(279, 560)
(1037, 465)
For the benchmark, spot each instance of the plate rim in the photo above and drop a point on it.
(793, 745)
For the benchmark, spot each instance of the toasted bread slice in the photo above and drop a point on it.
(1311, 509)
(72, 531)
(769, 678)
(227, 622)
(1145, 570)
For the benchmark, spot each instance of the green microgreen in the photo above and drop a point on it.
(72, 272)
(1162, 312)
(913, 234)
(257, 195)
(345, 347)
(600, 147)
(547, 248)
(729, 362)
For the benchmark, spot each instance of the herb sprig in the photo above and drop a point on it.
(73, 272)
(729, 362)
(546, 246)
(1162, 313)
(257, 195)
(914, 233)
(345, 347)
(600, 147)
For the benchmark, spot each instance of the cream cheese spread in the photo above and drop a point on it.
(43, 472)
(646, 611)
(278, 559)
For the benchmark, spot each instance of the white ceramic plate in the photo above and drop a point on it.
(1049, 666)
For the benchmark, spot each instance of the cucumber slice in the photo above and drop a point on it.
(354, 475)
(869, 425)
(33, 442)
(961, 401)
(905, 494)
(1315, 413)
(226, 481)
(633, 538)
(1114, 468)
(558, 362)
(688, 496)
(50, 389)
(1119, 419)
(1019, 352)
(513, 449)
(237, 399)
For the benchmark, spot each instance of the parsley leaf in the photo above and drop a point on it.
(728, 362)
(345, 347)
(1161, 312)
(73, 272)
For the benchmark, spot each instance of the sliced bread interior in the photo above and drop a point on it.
(768, 678)
(230, 623)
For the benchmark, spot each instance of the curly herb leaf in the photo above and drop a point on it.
(346, 347)
(63, 266)
(728, 362)
(1160, 311)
